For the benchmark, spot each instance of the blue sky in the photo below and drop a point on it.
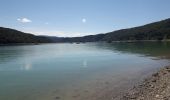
(80, 17)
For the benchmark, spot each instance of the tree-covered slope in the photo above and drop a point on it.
(154, 31)
(13, 36)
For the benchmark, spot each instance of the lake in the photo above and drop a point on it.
(85, 71)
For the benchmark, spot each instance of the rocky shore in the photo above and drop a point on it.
(156, 87)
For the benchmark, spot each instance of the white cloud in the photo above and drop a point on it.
(24, 20)
(84, 20)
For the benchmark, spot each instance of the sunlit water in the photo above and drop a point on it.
(76, 71)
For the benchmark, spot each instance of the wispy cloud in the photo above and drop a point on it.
(24, 20)
(58, 33)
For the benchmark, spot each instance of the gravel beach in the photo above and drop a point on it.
(155, 87)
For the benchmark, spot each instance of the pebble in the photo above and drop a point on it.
(157, 96)
(57, 98)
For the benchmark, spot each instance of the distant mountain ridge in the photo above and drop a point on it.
(155, 31)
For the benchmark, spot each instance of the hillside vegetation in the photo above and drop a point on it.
(8, 36)
(154, 31)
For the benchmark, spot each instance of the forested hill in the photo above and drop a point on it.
(8, 36)
(154, 31)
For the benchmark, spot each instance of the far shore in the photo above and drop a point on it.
(131, 41)
(18, 44)
(127, 41)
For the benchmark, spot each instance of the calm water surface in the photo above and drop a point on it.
(76, 71)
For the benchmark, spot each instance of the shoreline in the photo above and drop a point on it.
(133, 41)
(155, 87)
(122, 41)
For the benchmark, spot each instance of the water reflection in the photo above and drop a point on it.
(13, 54)
(153, 49)
(8, 53)
(85, 63)
(43, 68)
(26, 67)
